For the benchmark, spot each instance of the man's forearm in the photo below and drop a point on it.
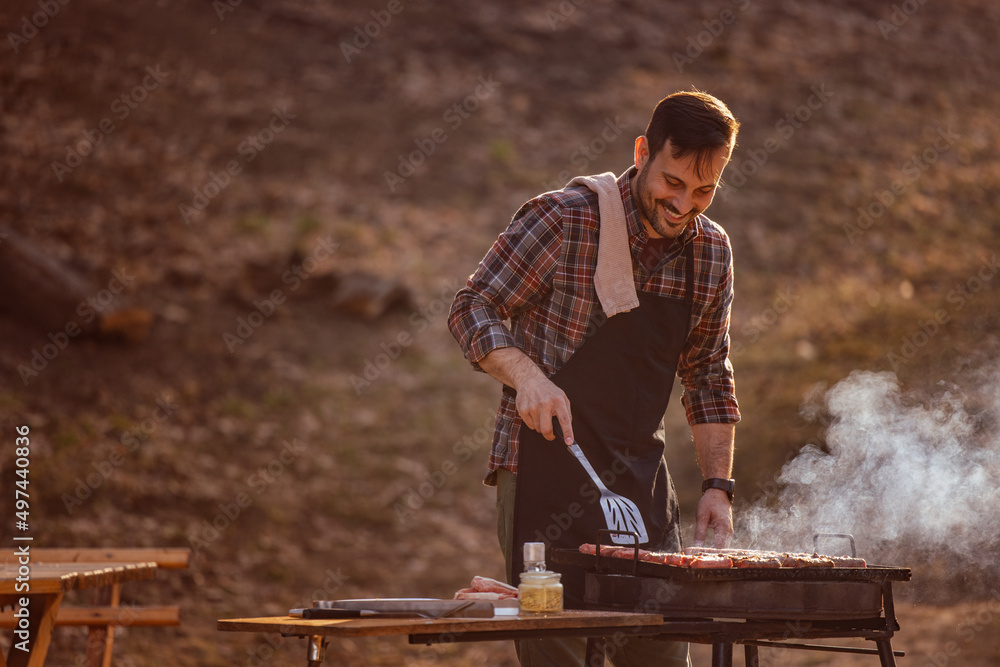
(538, 398)
(511, 366)
(714, 444)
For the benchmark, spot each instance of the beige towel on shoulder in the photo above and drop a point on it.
(613, 277)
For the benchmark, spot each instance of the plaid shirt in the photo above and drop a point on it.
(539, 274)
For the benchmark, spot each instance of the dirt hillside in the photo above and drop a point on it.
(294, 190)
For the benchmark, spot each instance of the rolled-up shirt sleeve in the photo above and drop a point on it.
(513, 276)
(704, 368)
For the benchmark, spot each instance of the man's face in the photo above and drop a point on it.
(669, 192)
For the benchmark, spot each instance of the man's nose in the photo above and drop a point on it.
(683, 203)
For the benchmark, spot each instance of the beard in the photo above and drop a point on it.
(655, 211)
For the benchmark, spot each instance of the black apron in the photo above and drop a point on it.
(618, 384)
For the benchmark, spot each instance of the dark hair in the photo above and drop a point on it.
(695, 123)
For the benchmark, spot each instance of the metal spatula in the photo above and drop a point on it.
(620, 513)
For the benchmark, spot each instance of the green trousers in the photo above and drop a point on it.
(621, 650)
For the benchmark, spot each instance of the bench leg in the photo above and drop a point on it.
(43, 620)
(101, 638)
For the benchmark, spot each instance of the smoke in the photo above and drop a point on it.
(915, 478)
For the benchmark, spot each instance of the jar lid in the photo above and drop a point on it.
(544, 575)
(534, 552)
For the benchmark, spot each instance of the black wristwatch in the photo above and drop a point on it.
(727, 485)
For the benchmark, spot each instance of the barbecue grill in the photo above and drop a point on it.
(753, 606)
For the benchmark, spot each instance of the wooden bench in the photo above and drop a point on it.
(106, 612)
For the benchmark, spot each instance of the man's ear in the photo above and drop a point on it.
(641, 152)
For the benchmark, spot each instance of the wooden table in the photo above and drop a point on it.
(595, 625)
(48, 583)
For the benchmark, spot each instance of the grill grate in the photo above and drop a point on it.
(872, 573)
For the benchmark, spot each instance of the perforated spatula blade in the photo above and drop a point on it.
(620, 513)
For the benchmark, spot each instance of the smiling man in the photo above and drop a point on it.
(612, 287)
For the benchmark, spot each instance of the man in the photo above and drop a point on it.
(580, 360)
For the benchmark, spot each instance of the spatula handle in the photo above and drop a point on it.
(580, 456)
(578, 453)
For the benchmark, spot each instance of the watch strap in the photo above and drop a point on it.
(727, 485)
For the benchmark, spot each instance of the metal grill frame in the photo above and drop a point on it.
(723, 634)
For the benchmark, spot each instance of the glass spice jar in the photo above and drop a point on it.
(540, 592)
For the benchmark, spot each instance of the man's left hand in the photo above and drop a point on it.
(715, 512)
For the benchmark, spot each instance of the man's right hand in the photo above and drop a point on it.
(538, 401)
(538, 398)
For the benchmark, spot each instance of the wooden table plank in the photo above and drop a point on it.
(61, 577)
(84, 616)
(40, 582)
(164, 557)
(366, 627)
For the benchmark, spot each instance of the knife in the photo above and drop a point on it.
(318, 614)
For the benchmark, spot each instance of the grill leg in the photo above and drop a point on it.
(885, 653)
(722, 654)
(750, 656)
